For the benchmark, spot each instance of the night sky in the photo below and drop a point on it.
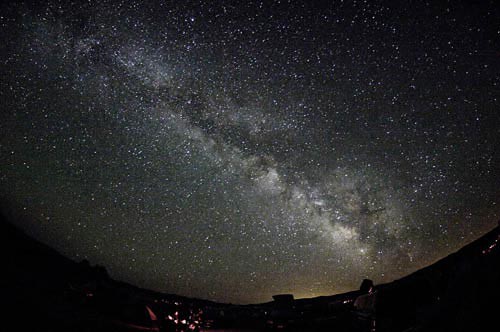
(233, 151)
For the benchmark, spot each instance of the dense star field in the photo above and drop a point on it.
(233, 151)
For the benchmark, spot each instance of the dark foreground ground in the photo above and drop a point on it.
(44, 291)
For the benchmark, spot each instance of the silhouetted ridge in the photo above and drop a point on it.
(457, 293)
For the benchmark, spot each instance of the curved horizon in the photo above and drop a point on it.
(232, 152)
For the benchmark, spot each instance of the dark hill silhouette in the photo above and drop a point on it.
(460, 292)
(45, 291)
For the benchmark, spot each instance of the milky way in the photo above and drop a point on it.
(235, 152)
